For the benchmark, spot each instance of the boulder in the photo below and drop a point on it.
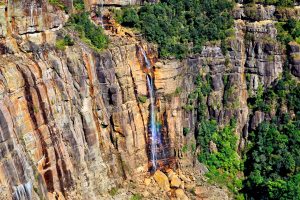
(175, 181)
(170, 173)
(162, 180)
(181, 195)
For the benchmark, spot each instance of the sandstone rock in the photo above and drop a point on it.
(162, 180)
(213, 147)
(175, 181)
(190, 186)
(146, 194)
(181, 195)
(198, 191)
(147, 181)
(170, 173)
(183, 177)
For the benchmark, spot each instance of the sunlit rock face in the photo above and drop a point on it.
(26, 16)
(72, 122)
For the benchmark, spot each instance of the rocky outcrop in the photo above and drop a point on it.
(295, 58)
(25, 17)
(260, 12)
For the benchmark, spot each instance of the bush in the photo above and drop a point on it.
(178, 90)
(142, 98)
(78, 5)
(136, 197)
(57, 3)
(62, 43)
(113, 191)
(186, 131)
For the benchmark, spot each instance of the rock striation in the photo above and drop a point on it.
(73, 124)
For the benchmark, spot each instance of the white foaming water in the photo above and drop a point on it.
(31, 14)
(153, 127)
(23, 191)
(31, 27)
(155, 133)
(101, 16)
(148, 65)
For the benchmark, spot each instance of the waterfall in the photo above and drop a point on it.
(153, 128)
(31, 14)
(31, 26)
(148, 64)
(23, 191)
(101, 16)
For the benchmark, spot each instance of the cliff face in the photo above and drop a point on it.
(72, 122)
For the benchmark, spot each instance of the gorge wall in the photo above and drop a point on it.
(72, 122)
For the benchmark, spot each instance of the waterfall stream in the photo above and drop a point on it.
(153, 126)
(31, 27)
(101, 15)
(23, 191)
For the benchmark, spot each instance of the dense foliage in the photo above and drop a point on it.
(78, 5)
(180, 27)
(223, 162)
(288, 31)
(273, 160)
(89, 32)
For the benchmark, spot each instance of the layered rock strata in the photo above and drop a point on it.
(72, 122)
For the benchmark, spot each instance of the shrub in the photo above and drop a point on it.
(178, 90)
(78, 5)
(136, 197)
(186, 131)
(185, 148)
(142, 98)
(62, 43)
(57, 3)
(113, 191)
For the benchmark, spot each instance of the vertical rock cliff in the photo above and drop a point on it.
(74, 122)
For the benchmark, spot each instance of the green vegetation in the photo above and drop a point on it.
(180, 27)
(186, 131)
(224, 164)
(88, 32)
(185, 149)
(62, 43)
(178, 91)
(78, 5)
(58, 3)
(113, 192)
(142, 98)
(136, 197)
(272, 163)
(288, 31)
